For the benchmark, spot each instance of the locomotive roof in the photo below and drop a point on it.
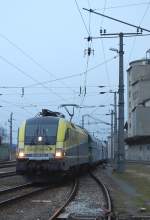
(47, 119)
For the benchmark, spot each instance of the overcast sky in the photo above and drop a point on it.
(41, 41)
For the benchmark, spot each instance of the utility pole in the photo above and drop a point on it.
(120, 156)
(83, 120)
(112, 135)
(121, 150)
(115, 128)
(10, 134)
(115, 135)
(139, 31)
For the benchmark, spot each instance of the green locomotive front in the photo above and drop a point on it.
(51, 144)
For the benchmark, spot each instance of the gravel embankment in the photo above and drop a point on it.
(7, 169)
(37, 207)
(11, 181)
(89, 200)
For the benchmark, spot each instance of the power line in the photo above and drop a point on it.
(102, 44)
(123, 6)
(105, 3)
(78, 8)
(27, 55)
(27, 75)
(134, 40)
(53, 87)
(73, 75)
(18, 106)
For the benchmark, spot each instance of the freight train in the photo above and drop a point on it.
(51, 144)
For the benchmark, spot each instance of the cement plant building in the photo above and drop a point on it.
(138, 90)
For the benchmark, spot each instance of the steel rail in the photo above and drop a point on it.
(7, 161)
(12, 189)
(71, 196)
(7, 164)
(108, 210)
(138, 162)
(7, 174)
(18, 197)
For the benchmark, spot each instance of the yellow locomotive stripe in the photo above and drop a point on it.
(61, 133)
(21, 135)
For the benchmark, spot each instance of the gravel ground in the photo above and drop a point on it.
(37, 207)
(11, 181)
(7, 169)
(89, 200)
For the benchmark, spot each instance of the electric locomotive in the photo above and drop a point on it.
(50, 144)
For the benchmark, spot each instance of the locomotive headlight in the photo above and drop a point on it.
(59, 153)
(21, 154)
(40, 138)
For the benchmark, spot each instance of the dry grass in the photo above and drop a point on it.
(138, 176)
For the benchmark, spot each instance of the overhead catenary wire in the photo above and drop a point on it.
(78, 8)
(30, 77)
(18, 106)
(28, 56)
(134, 40)
(88, 30)
(73, 75)
(102, 44)
(53, 87)
(124, 6)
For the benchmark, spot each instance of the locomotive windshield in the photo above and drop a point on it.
(41, 131)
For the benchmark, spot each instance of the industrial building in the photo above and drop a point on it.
(4, 146)
(138, 90)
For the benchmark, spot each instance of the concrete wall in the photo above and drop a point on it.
(141, 121)
(138, 152)
(138, 90)
(138, 95)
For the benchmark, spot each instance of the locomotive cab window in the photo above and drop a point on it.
(41, 131)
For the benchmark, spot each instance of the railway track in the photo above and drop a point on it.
(138, 162)
(5, 164)
(7, 174)
(68, 200)
(108, 210)
(60, 213)
(10, 195)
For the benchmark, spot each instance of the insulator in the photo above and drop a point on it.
(89, 51)
(80, 90)
(89, 38)
(22, 92)
(84, 90)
